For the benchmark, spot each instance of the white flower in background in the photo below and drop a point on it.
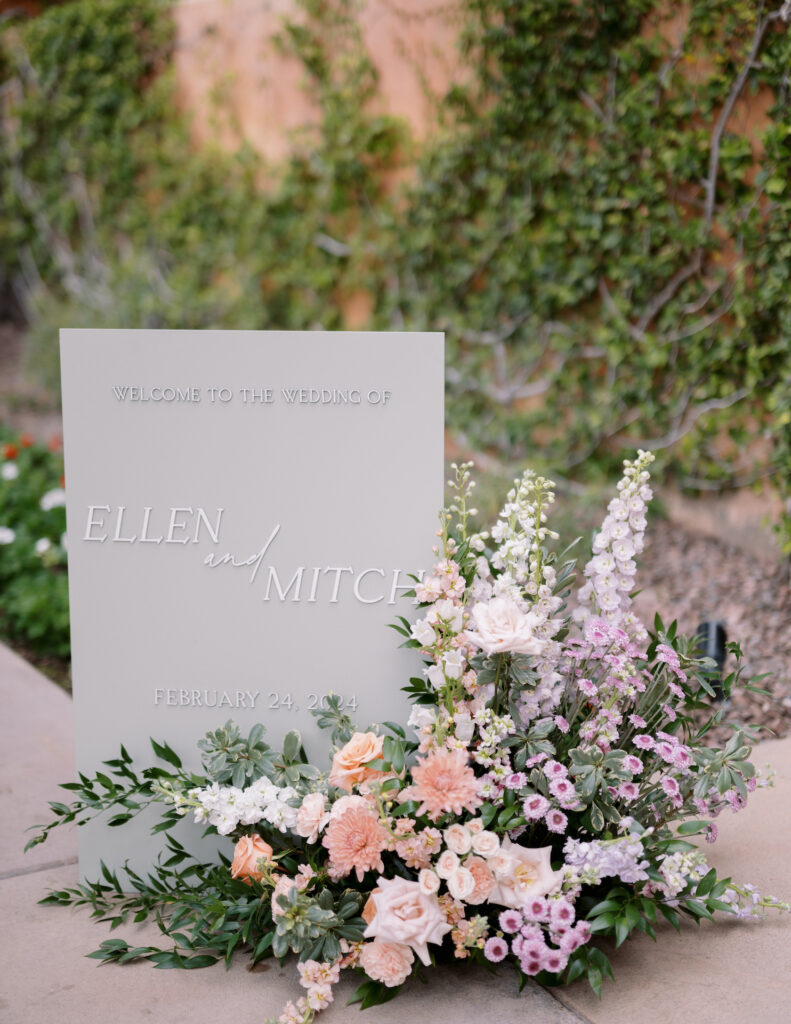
(63, 541)
(7, 535)
(9, 471)
(42, 546)
(53, 499)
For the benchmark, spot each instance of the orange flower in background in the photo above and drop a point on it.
(26, 440)
(246, 855)
(350, 764)
(10, 451)
(55, 443)
(445, 783)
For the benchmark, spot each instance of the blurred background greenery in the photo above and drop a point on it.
(597, 214)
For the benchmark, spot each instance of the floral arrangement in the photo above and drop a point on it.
(34, 602)
(555, 771)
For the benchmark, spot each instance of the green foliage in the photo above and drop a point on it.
(34, 597)
(603, 241)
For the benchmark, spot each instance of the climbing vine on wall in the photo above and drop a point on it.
(600, 222)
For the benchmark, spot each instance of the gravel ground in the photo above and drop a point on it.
(692, 578)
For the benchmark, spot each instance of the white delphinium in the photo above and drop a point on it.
(611, 571)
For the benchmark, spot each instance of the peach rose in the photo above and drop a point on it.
(405, 914)
(521, 874)
(246, 855)
(388, 962)
(349, 766)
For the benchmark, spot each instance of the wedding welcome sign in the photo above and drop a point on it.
(245, 510)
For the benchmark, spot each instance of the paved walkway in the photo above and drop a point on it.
(737, 972)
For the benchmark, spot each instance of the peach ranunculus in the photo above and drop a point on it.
(407, 915)
(521, 874)
(484, 880)
(246, 855)
(388, 962)
(312, 816)
(502, 626)
(350, 764)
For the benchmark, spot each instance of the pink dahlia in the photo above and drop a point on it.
(445, 783)
(355, 841)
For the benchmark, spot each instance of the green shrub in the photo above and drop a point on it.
(34, 599)
(609, 257)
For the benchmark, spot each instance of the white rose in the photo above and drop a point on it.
(485, 844)
(428, 881)
(502, 626)
(458, 839)
(461, 884)
(447, 863)
(474, 827)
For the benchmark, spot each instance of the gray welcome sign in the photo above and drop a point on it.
(244, 512)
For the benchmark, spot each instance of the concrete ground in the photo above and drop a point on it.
(736, 972)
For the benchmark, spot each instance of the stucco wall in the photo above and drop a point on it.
(236, 84)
